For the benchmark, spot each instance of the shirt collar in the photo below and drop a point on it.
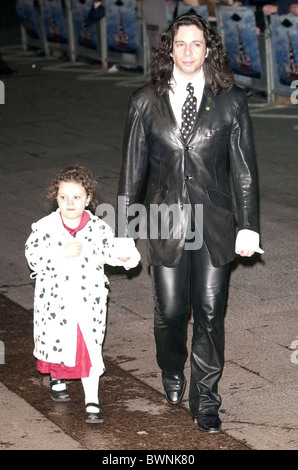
(179, 82)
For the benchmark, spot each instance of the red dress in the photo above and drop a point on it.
(83, 363)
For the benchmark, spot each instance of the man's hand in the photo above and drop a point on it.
(246, 253)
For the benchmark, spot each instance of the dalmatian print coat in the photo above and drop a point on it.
(69, 291)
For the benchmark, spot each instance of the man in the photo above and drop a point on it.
(188, 167)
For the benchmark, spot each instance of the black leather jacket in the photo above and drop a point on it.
(219, 151)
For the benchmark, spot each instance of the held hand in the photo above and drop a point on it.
(72, 249)
(248, 253)
(124, 248)
(126, 252)
(247, 243)
(124, 259)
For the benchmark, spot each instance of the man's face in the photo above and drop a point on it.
(189, 50)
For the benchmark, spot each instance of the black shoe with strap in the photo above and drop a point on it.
(93, 417)
(59, 395)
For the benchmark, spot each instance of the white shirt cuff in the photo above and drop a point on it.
(248, 240)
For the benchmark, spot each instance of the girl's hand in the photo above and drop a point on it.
(72, 249)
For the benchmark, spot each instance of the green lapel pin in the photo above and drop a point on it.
(207, 108)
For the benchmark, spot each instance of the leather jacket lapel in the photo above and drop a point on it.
(165, 109)
(205, 108)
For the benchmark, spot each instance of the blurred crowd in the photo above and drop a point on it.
(262, 8)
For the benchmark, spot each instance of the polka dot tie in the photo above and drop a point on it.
(189, 111)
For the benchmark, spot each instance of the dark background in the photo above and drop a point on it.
(10, 33)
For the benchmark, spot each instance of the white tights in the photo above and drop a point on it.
(90, 386)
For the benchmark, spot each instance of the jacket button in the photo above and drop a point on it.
(189, 148)
(187, 177)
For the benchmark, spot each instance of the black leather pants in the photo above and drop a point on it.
(194, 283)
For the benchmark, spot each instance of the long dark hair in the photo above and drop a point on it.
(218, 75)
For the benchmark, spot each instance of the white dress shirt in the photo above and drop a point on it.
(179, 93)
(246, 239)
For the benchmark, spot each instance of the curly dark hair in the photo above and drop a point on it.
(77, 174)
(218, 75)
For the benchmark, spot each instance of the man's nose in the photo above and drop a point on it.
(187, 50)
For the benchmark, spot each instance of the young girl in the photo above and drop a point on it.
(67, 250)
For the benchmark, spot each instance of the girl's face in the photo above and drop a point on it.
(72, 199)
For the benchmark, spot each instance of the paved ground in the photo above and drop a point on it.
(56, 114)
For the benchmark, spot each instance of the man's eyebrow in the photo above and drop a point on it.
(195, 40)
